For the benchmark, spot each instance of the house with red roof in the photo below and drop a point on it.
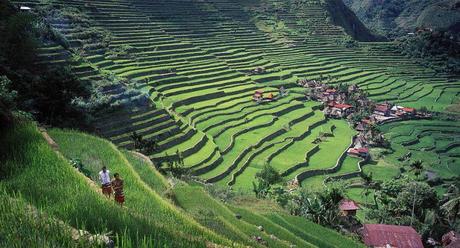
(348, 207)
(330, 92)
(382, 236)
(339, 110)
(362, 152)
(401, 111)
(382, 109)
(409, 111)
(258, 95)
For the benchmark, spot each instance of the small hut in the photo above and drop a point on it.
(348, 207)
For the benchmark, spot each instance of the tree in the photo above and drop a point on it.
(367, 183)
(269, 175)
(417, 167)
(265, 178)
(20, 42)
(7, 102)
(333, 127)
(147, 147)
(452, 206)
(423, 110)
(405, 202)
(320, 207)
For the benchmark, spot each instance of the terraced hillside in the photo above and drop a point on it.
(436, 143)
(194, 59)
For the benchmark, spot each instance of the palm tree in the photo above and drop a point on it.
(417, 167)
(367, 183)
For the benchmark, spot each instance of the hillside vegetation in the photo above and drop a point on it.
(393, 18)
(152, 216)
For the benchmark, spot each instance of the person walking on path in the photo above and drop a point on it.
(117, 185)
(104, 177)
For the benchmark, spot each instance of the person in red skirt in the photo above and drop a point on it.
(117, 185)
(104, 177)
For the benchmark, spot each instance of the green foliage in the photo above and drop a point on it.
(451, 207)
(347, 42)
(7, 96)
(265, 178)
(24, 226)
(77, 164)
(438, 50)
(123, 51)
(269, 175)
(280, 195)
(143, 204)
(320, 207)
(405, 202)
(393, 18)
(144, 146)
(225, 194)
(19, 44)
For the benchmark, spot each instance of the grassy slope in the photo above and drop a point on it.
(22, 227)
(48, 182)
(324, 237)
(95, 152)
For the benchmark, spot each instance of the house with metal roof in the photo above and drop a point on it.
(385, 236)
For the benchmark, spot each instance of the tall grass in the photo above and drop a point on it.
(314, 233)
(217, 215)
(148, 174)
(141, 199)
(23, 226)
(48, 182)
(271, 227)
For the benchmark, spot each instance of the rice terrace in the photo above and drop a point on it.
(230, 123)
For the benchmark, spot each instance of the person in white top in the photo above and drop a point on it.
(104, 177)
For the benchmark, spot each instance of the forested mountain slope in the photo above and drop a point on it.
(394, 17)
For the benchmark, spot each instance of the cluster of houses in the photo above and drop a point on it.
(334, 98)
(345, 100)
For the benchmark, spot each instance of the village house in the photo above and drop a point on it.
(258, 95)
(368, 121)
(329, 92)
(361, 152)
(338, 110)
(382, 109)
(360, 127)
(360, 141)
(385, 236)
(260, 98)
(403, 112)
(348, 207)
